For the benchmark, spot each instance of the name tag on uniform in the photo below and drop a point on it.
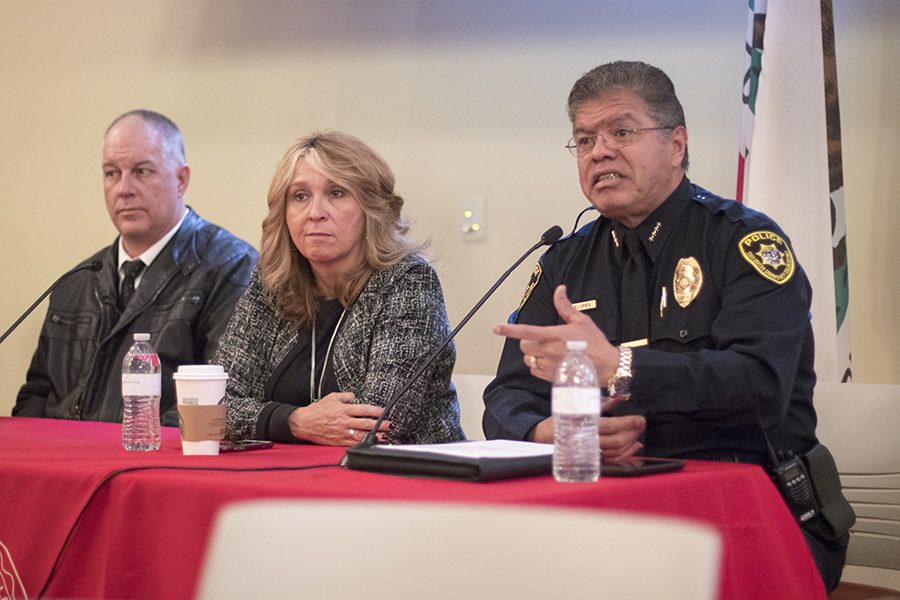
(586, 305)
(635, 343)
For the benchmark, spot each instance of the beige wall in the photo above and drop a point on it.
(463, 99)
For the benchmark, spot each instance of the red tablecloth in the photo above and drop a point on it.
(144, 533)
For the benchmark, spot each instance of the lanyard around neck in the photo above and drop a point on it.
(314, 394)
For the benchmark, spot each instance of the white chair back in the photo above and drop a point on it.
(397, 550)
(470, 390)
(860, 424)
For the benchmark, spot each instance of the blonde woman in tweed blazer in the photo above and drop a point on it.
(339, 312)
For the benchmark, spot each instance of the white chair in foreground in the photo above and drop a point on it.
(397, 550)
(470, 390)
(860, 424)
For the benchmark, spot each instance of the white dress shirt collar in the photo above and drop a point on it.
(149, 255)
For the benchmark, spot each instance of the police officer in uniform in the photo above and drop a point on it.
(694, 308)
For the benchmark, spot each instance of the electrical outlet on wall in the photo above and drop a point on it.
(474, 219)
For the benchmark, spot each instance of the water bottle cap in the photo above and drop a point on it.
(142, 337)
(576, 345)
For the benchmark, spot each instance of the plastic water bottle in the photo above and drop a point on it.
(141, 385)
(576, 417)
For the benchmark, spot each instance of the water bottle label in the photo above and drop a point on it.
(576, 401)
(141, 384)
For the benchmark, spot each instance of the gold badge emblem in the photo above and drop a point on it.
(532, 283)
(687, 281)
(769, 255)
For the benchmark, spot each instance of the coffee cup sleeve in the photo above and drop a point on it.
(199, 422)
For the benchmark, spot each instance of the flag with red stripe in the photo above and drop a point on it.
(789, 161)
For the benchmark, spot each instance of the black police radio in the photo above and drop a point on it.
(793, 475)
(795, 485)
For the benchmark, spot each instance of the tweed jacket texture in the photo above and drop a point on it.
(398, 320)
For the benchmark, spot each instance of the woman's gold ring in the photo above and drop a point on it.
(532, 360)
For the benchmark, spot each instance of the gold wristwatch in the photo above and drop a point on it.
(620, 383)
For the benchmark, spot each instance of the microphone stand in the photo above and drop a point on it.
(551, 236)
(94, 265)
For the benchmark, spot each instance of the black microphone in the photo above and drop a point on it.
(551, 236)
(94, 265)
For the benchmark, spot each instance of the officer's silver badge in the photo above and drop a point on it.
(687, 281)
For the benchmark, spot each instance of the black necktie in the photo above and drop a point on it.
(131, 269)
(634, 306)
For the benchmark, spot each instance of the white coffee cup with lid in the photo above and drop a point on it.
(201, 407)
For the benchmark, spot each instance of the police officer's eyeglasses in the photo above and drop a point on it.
(614, 138)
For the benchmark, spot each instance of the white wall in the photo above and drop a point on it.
(462, 99)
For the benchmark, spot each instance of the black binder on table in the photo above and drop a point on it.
(485, 461)
(468, 461)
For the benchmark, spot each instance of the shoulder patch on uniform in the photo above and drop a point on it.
(769, 255)
(532, 283)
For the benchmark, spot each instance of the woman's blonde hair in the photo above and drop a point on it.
(287, 276)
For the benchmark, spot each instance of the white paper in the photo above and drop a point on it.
(485, 449)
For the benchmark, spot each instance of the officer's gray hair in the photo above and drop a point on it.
(647, 82)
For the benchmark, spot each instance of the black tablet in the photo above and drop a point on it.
(639, 465)
(242, 445)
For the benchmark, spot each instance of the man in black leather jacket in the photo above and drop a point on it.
(190, 277)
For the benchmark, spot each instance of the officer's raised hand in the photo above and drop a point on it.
(544, 347)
